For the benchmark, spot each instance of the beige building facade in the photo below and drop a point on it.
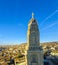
(34, 51)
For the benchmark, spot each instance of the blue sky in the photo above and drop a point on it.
(15, 15)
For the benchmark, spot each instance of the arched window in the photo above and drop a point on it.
(34, 59)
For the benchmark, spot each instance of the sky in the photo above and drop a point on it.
(16, 14)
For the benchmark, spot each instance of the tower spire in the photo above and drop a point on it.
(34, 50)
(32, 15)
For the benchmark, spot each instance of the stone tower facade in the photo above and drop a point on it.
(34, 52)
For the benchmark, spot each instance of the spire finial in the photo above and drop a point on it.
(32, 15)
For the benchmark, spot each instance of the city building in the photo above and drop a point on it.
(34, 51)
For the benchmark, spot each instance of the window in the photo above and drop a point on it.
(34, 59)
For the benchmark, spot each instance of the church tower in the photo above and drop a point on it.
(34, 52)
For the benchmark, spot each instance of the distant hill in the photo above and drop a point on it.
(42, 44)
(24, 45)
